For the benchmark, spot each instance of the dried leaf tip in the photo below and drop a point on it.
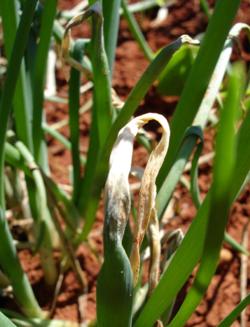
(147, 215)
(117, 191)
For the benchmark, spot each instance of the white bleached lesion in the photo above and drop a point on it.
(117, 192)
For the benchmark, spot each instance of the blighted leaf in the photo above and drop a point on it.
(115, 282)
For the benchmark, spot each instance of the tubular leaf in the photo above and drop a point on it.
(39, 74)
(111, 25)
(220, 199)
(171, 282)
(74, 104)
(136, 32)
(228, 321)
(199, 77)
(15, 61)
(102, 106)
(22, 95)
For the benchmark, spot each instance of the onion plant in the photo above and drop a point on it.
(64, 220)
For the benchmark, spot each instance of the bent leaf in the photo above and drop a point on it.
(115, 308)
